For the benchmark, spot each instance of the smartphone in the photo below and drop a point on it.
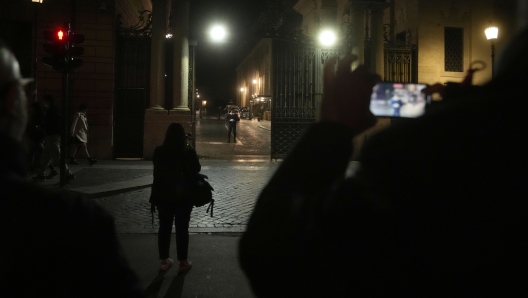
(398, 100)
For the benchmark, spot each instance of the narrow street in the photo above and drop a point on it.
(253, 139)
(237, 172)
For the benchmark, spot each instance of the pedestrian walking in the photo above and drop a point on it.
(79, 135)
(36, 135)
(54, 243)
(232, 118)
(175, 166)
(52, 125)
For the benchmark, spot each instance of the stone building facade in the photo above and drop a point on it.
(94, 82)
(440, 38)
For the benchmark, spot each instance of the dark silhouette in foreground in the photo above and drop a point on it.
(438, 206)
(54, 244)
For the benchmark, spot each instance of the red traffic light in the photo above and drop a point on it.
(57, 35)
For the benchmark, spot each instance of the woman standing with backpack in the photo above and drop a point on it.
(175, 165)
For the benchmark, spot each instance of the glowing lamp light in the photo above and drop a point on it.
(327, 37)
(60, 34)
(218, 33)
(492, 32)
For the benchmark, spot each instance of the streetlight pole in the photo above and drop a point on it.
(492, 33)
(35, 62)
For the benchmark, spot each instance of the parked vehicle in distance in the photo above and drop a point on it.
(244, 113)
(230, 107)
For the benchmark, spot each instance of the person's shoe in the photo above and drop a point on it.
(92, 161)
(52, 174)
(166, 264)
(40, 178)
(69, 177)
(73, 161)
(185, 266)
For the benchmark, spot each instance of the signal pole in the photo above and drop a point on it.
(63, 50)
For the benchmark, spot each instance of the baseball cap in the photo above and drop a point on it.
(10, 69)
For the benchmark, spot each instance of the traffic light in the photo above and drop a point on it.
(58, 49)
(63, 48)
(75, 50)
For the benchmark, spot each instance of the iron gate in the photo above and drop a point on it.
(296, 91)
(401, 64)
(132, 87)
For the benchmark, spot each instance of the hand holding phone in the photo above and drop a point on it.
(398, 100)
(346, 95)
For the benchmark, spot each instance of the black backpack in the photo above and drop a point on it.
(201, 192)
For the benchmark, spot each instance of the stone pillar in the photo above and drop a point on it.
(156, 117)
(157, 69)
(180, 111)
(180, 11)
(328, 13)
(376, 38)
(358, 30)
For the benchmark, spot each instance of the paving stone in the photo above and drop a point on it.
(236, 190)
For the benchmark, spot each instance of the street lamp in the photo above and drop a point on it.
(327, 37)
(218, 33)
(36, 1)
(492, 33)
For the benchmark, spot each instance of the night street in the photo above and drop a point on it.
(238, 172)
(253, 139)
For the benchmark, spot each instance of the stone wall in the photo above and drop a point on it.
(93, 81)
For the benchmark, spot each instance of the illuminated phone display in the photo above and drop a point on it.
(398, 100)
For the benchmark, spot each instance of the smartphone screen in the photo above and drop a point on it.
(398, 100)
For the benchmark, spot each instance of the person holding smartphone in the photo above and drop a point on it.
(437, 207)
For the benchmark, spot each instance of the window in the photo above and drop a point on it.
(454, 49)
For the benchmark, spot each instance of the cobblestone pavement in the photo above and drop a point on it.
(237, 186)
(253, 140)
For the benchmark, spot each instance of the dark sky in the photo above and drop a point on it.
(216, 63)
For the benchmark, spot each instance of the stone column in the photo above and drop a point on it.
(157, 69)
(376, 38)
(180, 11)
(180, 111)
(358, 9)
(156, 117)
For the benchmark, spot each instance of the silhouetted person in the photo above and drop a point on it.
(438, 206)
(53, 122)
(36, 135)
(175, 165)
(232, 119)
(54, 243)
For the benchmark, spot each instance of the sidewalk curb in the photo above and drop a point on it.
(113, 188)
(263, 127)
(238, 229)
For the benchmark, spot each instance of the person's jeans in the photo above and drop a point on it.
(51, 154)
(180, 214)
(231, 129)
